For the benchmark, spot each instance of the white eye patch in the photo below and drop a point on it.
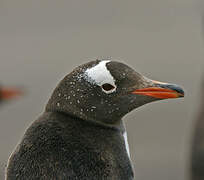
(100, 75)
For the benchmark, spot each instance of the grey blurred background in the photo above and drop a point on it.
(41, 41)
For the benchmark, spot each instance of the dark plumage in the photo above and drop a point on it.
(81, 134)
(197, 157)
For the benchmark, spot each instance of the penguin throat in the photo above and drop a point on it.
(76, 114)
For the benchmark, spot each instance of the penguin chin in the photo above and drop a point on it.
(131, 102)
(123, 106)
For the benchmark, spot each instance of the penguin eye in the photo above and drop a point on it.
(108, 87)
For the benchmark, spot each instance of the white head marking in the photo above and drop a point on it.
(100, 75)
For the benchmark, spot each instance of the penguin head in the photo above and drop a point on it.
(105, 91)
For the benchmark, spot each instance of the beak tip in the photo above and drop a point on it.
(181, 95)
(177, 89)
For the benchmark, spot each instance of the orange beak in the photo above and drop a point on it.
(10, 93)
(161, 91)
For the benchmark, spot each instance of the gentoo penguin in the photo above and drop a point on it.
(81, 136)
(8, 93)
(197, 153)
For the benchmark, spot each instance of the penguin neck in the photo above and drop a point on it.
(116, 124)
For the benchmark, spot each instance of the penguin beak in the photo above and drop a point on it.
(161, 90)
(10, 93)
